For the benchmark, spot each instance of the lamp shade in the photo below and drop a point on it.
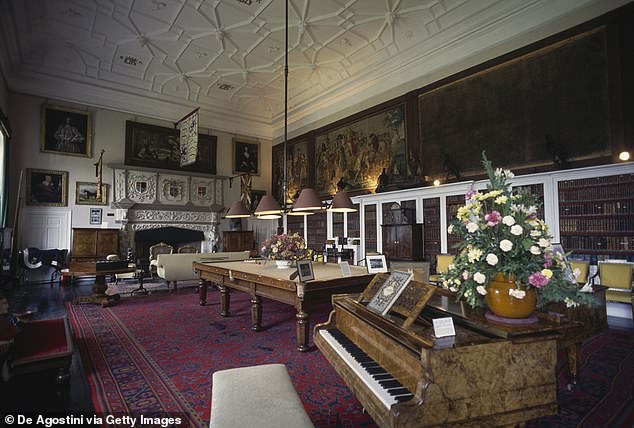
(268, 206)
(307, 201)
(342, 203)
(238, 210)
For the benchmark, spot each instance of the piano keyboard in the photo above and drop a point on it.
(384, 386)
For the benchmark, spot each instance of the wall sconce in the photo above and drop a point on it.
(436, 182)
(624, 156)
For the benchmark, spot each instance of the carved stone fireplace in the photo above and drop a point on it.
(146, 200)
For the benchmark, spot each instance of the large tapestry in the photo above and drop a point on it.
(297, 169)
(353, 156)
(547, 107)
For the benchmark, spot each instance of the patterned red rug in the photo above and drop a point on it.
(155, 355)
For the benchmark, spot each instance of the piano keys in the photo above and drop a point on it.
(486, 375)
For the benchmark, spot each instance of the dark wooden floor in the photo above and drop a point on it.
(39, 392)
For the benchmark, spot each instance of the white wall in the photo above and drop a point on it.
(108, 134)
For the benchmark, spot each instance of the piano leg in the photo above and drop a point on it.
(303, 324)
(256, 313)
(573, 363)
(225, 300)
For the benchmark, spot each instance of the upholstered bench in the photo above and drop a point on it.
(41, 345)
(257, 396)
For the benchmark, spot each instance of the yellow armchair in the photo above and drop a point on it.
(442, 266)
(618, 278)
(580, 270)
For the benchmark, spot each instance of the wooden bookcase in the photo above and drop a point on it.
(453, 203)
(596, 216)
(237, 240)
(431, 230)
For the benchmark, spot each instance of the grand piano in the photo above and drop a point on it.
(486, 375)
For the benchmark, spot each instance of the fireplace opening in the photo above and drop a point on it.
(174, 236)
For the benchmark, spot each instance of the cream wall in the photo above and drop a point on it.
(108, 134)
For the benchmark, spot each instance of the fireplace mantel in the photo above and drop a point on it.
(146, 199)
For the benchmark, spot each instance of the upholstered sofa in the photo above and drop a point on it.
(178, 267)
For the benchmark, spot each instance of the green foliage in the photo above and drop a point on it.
(500, 232)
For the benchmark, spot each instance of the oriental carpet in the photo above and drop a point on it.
(155, 355)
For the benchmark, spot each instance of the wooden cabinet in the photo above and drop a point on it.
(237, 240)
(403, 241)
(94, 244)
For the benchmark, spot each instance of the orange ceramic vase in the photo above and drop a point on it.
(504, 305)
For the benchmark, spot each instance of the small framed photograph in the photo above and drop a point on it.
(65, 131)
(95, 215)
(305, 270)
(46, 187)
(86, 194)
(246, 157)
(376, 264)
(345, 269)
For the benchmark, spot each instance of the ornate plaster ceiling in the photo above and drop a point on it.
(162, 58)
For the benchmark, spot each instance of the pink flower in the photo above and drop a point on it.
(470, 194)
(548, 260)
(538, 280)
(492, 218)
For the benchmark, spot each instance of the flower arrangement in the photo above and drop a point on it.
(501, 233)
(285, 247)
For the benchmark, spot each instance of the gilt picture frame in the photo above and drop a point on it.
(86, 194)
(155, 146)
(65, 131)
(246, 157)
(45, 187)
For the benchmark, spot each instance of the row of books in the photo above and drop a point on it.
(597, 224)
(594, 193)
(610, 243)
(597, 181)
(617, 207)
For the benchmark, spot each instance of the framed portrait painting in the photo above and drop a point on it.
(86, 194)
(65, 131)
(246, 157)
(158, 147)
(46, 187)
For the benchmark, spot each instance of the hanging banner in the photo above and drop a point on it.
(188, 138)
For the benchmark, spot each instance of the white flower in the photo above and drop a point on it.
(474, 254)
(508, 220)
(544, 243)
(472, 227)
(570, 303)
(535, 250)
(481, 290)
(454, 289)
(479, 278)
(274, 250)
(450, 229)
(518, 294)
(506, 245)
(536, 233)
(492, 259)
(516, 230)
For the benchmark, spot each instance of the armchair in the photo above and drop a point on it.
(155, 250)
(187, 249)
(617, 277)
(582, 268)
(442, 266)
